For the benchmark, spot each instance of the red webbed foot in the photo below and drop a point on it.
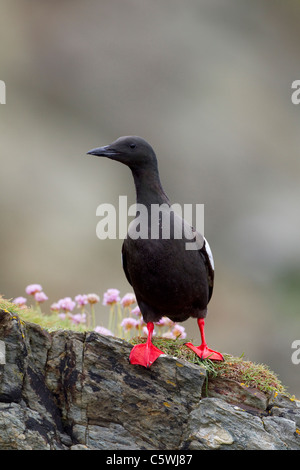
(203, 351)
(146, 353)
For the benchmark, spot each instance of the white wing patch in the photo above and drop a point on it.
(209, 252)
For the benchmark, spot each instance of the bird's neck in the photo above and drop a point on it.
(148, 186)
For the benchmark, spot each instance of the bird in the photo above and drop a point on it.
(167, 278)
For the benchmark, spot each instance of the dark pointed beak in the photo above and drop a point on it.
(106, 151)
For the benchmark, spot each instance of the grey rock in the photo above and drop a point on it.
(236, 393)
(69, 390)
(284, 429)
(215, 424)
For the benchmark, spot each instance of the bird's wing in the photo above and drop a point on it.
(124, 263)
(206, 253)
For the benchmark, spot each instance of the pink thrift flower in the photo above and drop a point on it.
(140, 322)
(168, 322)
(40, 297)
(179, 331)
(62, 316)
(136, 311)
(66, 304)
(55, 307)
(20, 301)
(78, 318)
(111, 296)
(81, 300)
(128, 299)
(168, 335)
(33, 288)
(93, 298)
(129, 323)
(103, 331)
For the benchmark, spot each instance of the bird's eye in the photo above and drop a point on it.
(132, 146)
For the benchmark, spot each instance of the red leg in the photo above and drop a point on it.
(203, 351)
(145, 354)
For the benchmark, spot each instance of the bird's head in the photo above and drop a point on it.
(133, 151)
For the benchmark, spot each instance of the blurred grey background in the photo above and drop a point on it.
(208, 84)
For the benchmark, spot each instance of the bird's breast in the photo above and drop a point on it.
(163, 271)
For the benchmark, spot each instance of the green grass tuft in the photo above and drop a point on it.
(235, 368)
(50, 322)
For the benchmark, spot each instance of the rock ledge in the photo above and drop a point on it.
(68, 390)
